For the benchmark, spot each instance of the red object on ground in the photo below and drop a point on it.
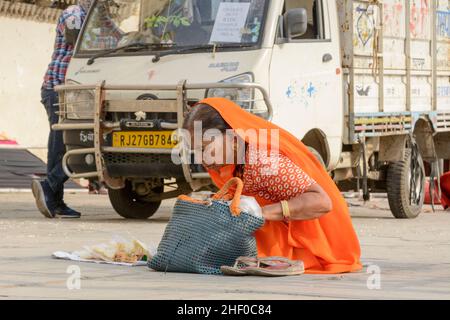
(4, 140)
(8, 142)
(445, 188)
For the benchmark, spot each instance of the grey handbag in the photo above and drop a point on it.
(202, 236)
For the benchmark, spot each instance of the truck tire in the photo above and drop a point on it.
(130, 206)
(405, 186)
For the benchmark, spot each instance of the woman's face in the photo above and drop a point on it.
(215, 149)
(215, 152)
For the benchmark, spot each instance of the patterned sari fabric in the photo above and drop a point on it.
(327, 245)
(289, 181)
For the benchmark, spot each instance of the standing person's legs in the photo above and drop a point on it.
(56, 149)
(49, 193)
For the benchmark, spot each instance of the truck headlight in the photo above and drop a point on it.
(79, 104)
(243, 97)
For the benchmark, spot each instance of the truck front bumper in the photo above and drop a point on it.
(112, 165)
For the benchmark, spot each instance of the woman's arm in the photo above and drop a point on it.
(311, 204)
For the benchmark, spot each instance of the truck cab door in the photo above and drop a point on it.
(306, 77)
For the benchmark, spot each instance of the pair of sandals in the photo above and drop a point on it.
(264, 267)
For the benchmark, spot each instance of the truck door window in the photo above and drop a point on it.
(315, 18)
(102, 30)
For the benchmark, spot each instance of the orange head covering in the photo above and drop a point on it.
(326, 245)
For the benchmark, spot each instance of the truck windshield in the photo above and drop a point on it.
(171, 24)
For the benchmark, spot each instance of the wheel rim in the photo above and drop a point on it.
(415, 178)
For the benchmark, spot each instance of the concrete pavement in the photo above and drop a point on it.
(411, 256)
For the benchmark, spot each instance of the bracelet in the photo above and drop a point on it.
(286, 211)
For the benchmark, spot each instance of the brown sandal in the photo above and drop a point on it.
(276, 267)
(240, 266)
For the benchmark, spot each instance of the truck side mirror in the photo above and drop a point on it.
(295, 23)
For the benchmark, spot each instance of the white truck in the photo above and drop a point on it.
(365, 84)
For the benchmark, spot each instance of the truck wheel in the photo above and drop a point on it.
(405, 185)
(131, 206)
(318, 156)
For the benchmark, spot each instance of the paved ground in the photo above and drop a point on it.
(413, 258)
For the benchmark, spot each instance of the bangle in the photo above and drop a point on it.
(286, 211)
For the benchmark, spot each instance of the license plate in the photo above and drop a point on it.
(144, 139)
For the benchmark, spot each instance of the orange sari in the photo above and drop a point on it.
(327, 245)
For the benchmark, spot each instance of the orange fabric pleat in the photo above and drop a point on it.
(326, 245)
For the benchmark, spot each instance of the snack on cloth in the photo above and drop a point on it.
(116, 251)
(125, 253)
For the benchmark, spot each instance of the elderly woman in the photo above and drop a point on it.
(306, 217)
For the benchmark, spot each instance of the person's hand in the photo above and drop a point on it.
(273, 212)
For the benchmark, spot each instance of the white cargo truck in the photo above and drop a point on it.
(364, 84)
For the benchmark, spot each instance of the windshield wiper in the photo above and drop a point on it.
(135, 46)
(159, 55)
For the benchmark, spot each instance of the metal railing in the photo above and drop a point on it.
(101, 126)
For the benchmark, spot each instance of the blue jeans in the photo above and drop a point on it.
(56, 149)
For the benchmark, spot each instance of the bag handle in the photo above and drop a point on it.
(236, 198)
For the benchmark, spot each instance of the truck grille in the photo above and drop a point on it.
(142, 165)
(135, 158)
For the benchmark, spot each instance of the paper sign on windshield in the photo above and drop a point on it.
(230, 21)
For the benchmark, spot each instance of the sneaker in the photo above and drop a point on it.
(63, 211)
(45, 198)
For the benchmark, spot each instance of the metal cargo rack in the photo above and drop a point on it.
(393, 123)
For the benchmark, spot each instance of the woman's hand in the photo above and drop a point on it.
(311, 204)
(273, 212)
